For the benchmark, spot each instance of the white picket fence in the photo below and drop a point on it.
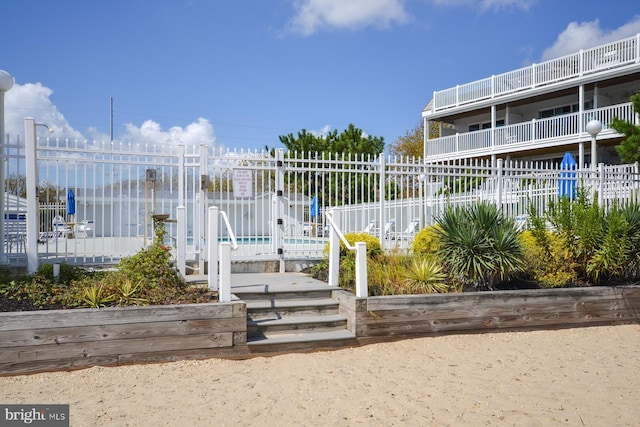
(275, 202)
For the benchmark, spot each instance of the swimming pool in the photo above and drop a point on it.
(266, 240)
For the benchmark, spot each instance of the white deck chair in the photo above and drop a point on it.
(83, 228)
(60, 227)
(390, 229)
(371, 228)
(411, 230)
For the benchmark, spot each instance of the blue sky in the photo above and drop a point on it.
(238, 73)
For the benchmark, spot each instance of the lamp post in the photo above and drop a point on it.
(6, 83)
(593, 128)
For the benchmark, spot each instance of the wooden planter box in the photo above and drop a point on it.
(471, 312)
(69, 339)
(66, 339)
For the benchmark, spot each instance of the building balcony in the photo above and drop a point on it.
(606, 60)
(528, 136)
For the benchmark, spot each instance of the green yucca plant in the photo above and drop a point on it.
(426, 276)
(128, 293)
(479, 243)
(97, 295)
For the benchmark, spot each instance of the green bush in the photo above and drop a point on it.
(144, 278)
(374, 249)
(592, 244)
(543, 262)
(426, 241)
(426, 276)
(480, 244)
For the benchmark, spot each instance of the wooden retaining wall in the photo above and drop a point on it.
(70, 339)
(67, 339)
(378, 318)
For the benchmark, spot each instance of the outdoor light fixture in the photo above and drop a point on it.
(593, 128)
(50, 129)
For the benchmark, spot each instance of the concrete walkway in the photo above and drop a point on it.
(248, 282)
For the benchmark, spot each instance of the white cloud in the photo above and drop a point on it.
(489, 4)
(32, 100)
(196, 133)
(586, 35)
(322, 132)
(507, 4)
(314, 15)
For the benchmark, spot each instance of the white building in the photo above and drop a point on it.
(539, 112)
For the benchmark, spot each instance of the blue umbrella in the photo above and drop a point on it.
(567, 181)
(314, 211)
(71, 203)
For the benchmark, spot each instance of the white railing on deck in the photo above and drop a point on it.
(527, 135)
(601, 58)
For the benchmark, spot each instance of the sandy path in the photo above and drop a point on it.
(573, 377)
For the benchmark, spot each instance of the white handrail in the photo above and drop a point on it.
(362, 290)
(234, 242)
(220, 252)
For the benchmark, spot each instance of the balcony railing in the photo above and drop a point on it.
(613, 55)
(525, 135)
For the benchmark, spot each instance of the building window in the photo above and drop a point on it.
(560, 111)
(485, 125)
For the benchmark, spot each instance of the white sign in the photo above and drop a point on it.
(242, 183)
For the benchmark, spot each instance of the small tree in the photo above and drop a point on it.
(411, 144)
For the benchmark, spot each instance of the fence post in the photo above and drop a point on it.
(500, 184)
(279, 209)
(600, 185)
(31, 158)
(334, 251)
(181, 240)
(212, 248)
(362, 286)
(202, 212)
(224, 293)
(181, 155)
(381, 191)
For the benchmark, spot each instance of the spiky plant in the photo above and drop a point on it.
(479, 243)
(426, 276)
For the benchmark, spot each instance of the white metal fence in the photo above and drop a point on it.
(275, 201)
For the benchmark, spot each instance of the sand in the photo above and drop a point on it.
(571, 377)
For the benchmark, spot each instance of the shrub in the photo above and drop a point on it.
(591, 244)
(479, 243)
(543, 263)
(426, 241)
(144, 278)
(426, 276)
(152, 267)
(374, 249)
(387, 275)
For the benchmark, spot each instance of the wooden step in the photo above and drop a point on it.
(277, 308)
(294, 324)
(308, 341)
(280, 291)
(283, 294)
